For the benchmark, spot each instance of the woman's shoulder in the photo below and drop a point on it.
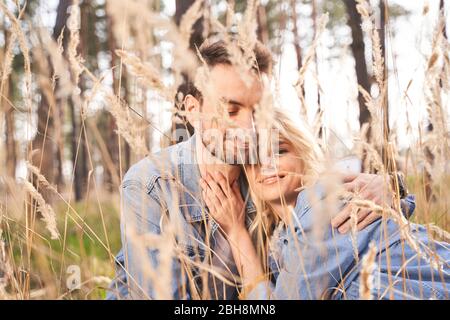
(309, 197)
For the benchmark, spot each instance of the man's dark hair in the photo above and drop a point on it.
(214, 53)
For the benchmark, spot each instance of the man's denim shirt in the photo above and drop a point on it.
(151, 190)
(166, 185)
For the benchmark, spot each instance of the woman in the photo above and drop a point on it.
(292, 251)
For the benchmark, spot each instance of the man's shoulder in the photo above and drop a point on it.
(155, 165)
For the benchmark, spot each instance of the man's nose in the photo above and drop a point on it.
(246, 122)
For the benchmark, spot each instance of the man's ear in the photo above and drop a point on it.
(192, 108)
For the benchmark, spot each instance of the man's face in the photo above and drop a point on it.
(230, 140)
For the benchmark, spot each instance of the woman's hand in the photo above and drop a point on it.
(227, 208)
(224, 202)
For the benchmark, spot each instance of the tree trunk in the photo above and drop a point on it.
(11, 147)
(387, 159)
(358, 48)
(428, 154)
(298, 48)
(6, 98)
(262, 31)
(125, 153)
(43, 141)
(196, 40)
(79, 148)
(111, 136)
(316, 64)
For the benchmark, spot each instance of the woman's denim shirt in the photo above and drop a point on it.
(310, 260)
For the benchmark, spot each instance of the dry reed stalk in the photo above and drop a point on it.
(246, 41)
(23, 45)
(130, 18)
(7, 58)
(375, 105)
(398, 217)
(441, 233)
(310, 54)
(240, 46)
(5, 268)
(106, 157)
(204, 84)
(354, 232)
(48, 215)
(230, 14)
(188, 20)
(367, 268)
(264, 116)
(160, 277)
(146, 73)
(127, 126)
(40, 177)
(59, 63)
(75, 59)
(47, 84)
(436, 81)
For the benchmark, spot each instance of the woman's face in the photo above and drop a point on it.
(280, 177)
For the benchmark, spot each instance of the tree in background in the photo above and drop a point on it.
(6, 104)
(358, 50)
(46, 151)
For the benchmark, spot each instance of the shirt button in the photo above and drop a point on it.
(285, 241)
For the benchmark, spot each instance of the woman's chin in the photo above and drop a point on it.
(270, 194)
(275, 193)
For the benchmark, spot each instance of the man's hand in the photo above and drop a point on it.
(376, 188)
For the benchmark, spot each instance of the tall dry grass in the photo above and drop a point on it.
(41, 237)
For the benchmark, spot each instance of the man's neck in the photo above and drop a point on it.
(208, 163)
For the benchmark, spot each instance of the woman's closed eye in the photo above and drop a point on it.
(281, 151)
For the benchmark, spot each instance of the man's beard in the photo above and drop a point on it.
(228, 149)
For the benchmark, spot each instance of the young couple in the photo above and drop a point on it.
(213, 228)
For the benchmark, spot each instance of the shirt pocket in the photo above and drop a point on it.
(194, 252)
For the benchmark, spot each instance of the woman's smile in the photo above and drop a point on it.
(271, 179)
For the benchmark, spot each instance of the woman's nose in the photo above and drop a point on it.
(268, 165)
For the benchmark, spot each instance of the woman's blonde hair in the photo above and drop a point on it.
(307, 148)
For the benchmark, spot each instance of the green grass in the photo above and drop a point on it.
(50, 258)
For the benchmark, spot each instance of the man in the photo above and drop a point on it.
(167, 235)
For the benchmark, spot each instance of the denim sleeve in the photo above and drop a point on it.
(141, 215)
(312, 266)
